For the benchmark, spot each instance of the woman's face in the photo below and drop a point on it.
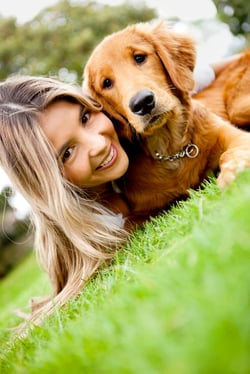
(85, 142)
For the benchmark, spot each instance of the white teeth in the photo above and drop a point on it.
(108, 159)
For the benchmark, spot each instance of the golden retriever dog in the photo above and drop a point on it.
(143, 76)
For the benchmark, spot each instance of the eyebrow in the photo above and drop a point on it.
(65, 145)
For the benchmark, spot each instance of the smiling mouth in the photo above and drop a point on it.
(108, 160)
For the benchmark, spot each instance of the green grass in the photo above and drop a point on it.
(176, 300)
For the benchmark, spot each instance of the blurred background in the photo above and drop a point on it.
(55, 38)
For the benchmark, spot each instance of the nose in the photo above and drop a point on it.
(142, 103)
(97, 144)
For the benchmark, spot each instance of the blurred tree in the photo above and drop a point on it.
(59, 40)
(8, 31)
(236, 13)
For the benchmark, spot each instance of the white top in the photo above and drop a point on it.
(203, 75)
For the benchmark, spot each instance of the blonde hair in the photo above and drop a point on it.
(74, 235)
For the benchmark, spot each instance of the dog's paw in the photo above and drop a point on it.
(231, 167)
(225, 179)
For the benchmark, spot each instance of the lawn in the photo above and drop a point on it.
(175, 300)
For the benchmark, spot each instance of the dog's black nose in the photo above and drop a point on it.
(142, 103)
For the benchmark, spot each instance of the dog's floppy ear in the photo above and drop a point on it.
(177, 53)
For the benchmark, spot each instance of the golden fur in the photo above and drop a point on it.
(229, 95)
(143, 76)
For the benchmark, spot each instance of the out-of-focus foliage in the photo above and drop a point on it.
(59, 40)
(15, 240)
(236, 13)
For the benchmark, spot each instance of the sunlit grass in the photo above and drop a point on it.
(175, 300)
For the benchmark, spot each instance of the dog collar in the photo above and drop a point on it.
(191, 151)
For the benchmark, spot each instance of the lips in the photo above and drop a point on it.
(109, 160)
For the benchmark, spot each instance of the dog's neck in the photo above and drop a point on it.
(171, 141)
(168, 140)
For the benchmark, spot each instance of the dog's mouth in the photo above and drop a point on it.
(156, 121)
(149, 122)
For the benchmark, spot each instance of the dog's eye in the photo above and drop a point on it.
(140, 59)
(107, 83)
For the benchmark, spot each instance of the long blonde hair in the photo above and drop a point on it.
(74, 235)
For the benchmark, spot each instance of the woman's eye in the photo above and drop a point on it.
(85, 117)
(67, 154)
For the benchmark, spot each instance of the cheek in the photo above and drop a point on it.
(79, 173)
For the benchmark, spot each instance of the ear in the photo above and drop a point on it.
(177, 53)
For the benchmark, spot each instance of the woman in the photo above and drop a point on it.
(60, 152)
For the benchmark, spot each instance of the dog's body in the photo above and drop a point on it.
(229, 95)
(143, 77)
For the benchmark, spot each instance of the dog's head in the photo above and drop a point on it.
(142, 75)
